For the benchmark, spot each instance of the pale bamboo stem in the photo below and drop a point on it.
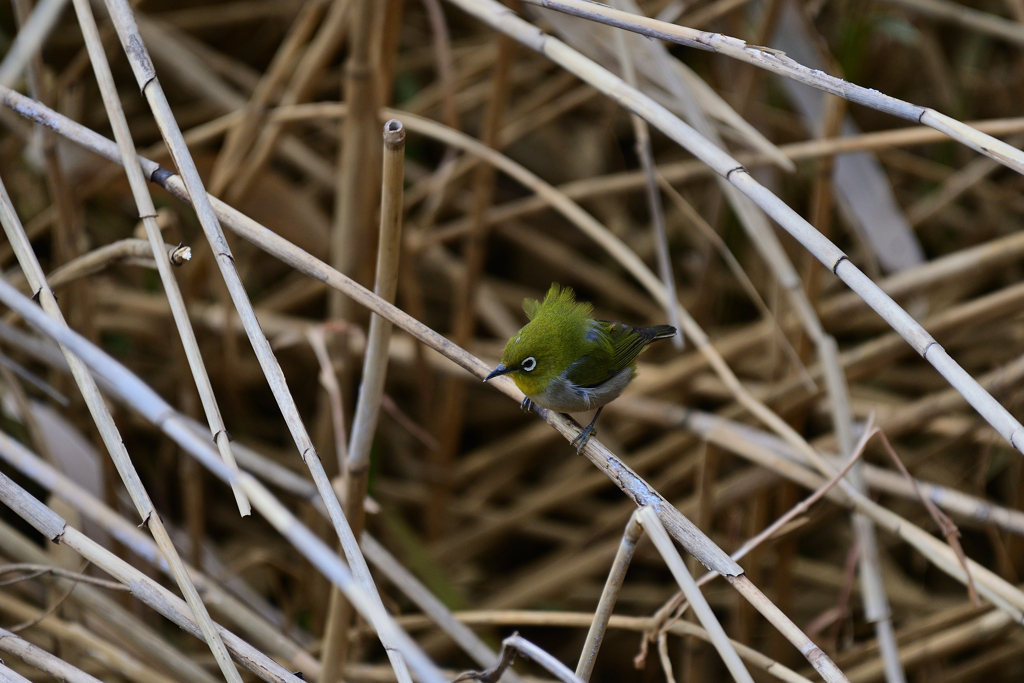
(41, 659)
(8, 675)
(642, 143)
(150, 592)
(778, 62)
(371, 388)
(127, 30)
(876, 603)
(609, 595)
(109, 433)
(147, 212)
(131, 389)
(402, 578)
(250, 623)
(135, 632)
(353, 215)
(239, 138)
(120, 662)
(656, 532)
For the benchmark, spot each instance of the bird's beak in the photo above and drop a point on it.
(500, 370)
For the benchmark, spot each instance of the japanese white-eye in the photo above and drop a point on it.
(565, 360)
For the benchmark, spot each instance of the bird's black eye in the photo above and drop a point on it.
(529, 364)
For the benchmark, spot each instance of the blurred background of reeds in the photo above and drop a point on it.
(487, 506)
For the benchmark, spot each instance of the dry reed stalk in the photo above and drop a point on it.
(127, 29)
(642, 138)
(823, 249)
(40, 659)
(672, 610)
(652, 525)
(877, 478)
(967, 17)
(992, 587)
(313, 61)
(56, 181)
(133, 251)
(777, 62)
(109, 433)
(548, 619)
(609, 595)
(132, 390)
(951, 640)
(23, 411)
(8, 675)
(249, 622)
(55, 529)
(147, 213)
(690, 170)
(120, 662)
(126, 625)
(30, 37)
(450, 414)
(239, 138)
(876, 603)
(402, 578)
(356, 188)
(516, 644)
(371, 388)
(697, 221)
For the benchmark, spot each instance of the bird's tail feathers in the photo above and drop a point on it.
(661, 332)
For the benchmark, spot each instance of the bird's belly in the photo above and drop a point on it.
(565, 397)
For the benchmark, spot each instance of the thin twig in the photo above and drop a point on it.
(946, 525)
(657, 212)
(36, 570)
(510, 647)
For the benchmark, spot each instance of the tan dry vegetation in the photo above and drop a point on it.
(521, 158)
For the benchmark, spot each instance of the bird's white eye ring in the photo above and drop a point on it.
(529, 364)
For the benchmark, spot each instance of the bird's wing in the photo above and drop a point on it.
(628, 341)
(612, 347)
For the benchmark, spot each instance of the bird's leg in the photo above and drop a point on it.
(585, 435)
(527, 405)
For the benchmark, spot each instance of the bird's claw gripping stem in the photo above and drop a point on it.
(583, 437)
(527, 405)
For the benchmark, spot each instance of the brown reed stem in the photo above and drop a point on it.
(371, 388)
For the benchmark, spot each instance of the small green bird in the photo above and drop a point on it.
(565, 360)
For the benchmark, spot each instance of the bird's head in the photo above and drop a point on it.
(554, 338)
